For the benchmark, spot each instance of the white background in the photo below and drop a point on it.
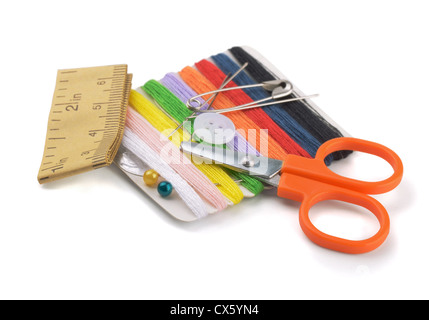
(96, 236)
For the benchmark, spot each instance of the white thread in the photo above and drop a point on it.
(137, 146)
(167, 151)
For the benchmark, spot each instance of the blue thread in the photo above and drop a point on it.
(301, 111)
(276, 112)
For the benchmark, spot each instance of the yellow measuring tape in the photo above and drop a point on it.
(86, 121)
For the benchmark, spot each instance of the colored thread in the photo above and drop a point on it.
(178, 110)
(172, 155)
(168, 101)
(165, 125)
(137, 146)
(181, 90)
(215, 75)
(276, 112)
(306, 116)
(267, 146)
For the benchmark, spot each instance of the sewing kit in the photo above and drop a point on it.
(210, 135)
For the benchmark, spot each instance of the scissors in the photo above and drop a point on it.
(309, 181)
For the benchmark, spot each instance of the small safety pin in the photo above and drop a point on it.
(278, 88)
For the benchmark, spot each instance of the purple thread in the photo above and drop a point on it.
(182, 91)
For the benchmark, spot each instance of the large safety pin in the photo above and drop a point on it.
(278, 88)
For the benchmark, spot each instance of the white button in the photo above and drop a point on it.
(214, 128)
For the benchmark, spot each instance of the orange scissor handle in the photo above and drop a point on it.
(310, 181)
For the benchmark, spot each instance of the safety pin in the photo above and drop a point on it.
(212, 98)
(279, 89)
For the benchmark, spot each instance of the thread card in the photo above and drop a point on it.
(177, 206)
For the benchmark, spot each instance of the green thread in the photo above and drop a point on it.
(170, 103)
(178, 110)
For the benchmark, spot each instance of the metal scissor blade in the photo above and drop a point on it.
(258, 166)
(273, 182)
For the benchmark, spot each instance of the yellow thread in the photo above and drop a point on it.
(165, 125)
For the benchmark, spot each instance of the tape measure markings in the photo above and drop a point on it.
(86, 120)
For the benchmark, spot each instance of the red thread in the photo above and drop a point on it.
(259, 117)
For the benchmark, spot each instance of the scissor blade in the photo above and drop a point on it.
(258, 166)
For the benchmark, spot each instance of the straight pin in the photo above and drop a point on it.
(252, 105)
